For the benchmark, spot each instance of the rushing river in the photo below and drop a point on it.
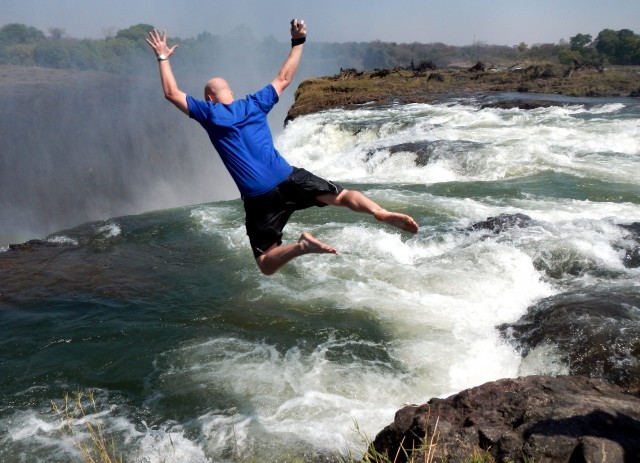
(193, 355)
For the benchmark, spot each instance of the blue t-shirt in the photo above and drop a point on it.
(240, 134)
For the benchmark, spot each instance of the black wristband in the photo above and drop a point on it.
(299, 41)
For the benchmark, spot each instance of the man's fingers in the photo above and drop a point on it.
(297, 24)
(155, 36)
(298, 28)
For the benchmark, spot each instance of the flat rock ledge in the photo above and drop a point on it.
(542, 419)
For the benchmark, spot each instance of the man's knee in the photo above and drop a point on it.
(263, 265)
(334, 199)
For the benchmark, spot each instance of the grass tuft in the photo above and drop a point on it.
(95, 448)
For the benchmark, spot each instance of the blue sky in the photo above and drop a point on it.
(454, 22)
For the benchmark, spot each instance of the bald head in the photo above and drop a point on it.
(218, 91)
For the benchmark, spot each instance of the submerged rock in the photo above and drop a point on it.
(422, 149)
(595, 330)
(503, 222)
(536, 418)
(632, 256)
(33, 244)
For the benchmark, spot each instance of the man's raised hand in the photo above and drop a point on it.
(159, 43)
(298, 29)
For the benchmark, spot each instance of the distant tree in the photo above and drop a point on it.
(579, 42)
(13, 34)
(137, 33)
(22, 54)
(53, 54)
(522, 47)
(86, 54)
(377, 56)
(619, 47)
(584, 46)
(628, 47)
(568, 56)
(109, 32)
(606, 42)
(56, 33)
(545, 51)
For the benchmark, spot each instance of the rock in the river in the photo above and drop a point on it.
(596, 332)
(543, 419)
(503, 222)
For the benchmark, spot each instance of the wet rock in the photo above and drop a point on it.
(503, 222)
(422, 149)
(520, 104)
(536, 418)
(632, 256)
(596, 330)
(33, 244)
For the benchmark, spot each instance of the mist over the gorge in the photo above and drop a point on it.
(87, 145)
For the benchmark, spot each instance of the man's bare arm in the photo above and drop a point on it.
(288, 69)
(169, 85)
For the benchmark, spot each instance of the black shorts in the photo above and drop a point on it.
(268, 213)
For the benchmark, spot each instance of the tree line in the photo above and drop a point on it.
(126, 50)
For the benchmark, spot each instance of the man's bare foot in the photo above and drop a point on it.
(401, 221)
(312, 245)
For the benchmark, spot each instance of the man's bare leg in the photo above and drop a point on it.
(358, 202)
(276, 256)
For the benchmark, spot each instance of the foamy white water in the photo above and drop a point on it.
(467, 143)
(332, 343)
(439, 295)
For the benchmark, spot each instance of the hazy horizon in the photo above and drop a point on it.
(500, 23)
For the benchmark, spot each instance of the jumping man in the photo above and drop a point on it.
(270, 188)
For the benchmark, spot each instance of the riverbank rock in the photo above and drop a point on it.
(568, 419)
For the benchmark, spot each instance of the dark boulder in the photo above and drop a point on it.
(422, 149)
(33, 244)
(536, 418)
(503, 222)
(596, 330)
(632, 255)
(519, 104)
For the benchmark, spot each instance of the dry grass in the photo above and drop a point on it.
(96, 448)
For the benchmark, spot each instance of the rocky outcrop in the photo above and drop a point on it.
(351, 88)
(569, 419)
